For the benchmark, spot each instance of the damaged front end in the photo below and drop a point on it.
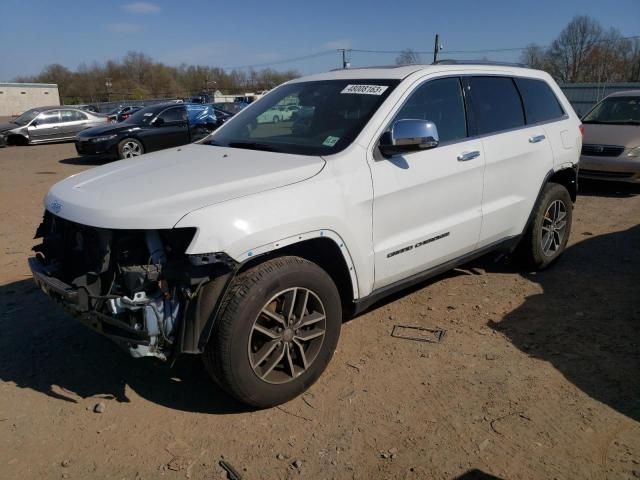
(137, 287)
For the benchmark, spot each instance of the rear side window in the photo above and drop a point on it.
(441, 102)
(540, 103)
(496, 104)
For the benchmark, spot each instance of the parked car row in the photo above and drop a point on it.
(126, 132)
(151, 128)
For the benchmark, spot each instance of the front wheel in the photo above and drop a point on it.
(547, 236)
(276, 333)
(129, 148)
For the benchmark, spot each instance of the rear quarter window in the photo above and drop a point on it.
(540, 103)
(496, 104)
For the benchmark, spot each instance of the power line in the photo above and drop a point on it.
(280, 62)
(488, 50)
(344, 51)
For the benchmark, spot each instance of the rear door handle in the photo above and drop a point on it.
(466, 156)
(536, 138)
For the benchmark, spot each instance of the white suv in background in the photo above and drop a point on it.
(248, 247)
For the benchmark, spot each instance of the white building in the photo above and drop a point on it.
(16, 98)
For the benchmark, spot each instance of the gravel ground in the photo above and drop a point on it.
(538, 375)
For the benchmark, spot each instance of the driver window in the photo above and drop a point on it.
(441, 102)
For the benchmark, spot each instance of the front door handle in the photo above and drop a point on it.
(536, 138)
(466, 156)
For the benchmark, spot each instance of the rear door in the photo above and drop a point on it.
(427, 204)
(518, 156)
(45, 127)
(72, 122)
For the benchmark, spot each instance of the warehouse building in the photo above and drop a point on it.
(16, 98)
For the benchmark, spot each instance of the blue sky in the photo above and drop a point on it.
(35, 33)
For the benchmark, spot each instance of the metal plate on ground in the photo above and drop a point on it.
(418, 334)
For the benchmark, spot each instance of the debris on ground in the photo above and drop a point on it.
(232, 473)
(418, 334)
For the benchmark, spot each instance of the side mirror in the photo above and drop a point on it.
(34, 123)
(158, 122)
(408, 136)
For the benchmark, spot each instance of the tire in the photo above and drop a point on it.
(129, 148)
(276, 119)
(234, 354)
(547, 236)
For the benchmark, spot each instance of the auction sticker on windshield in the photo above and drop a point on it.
(365, 89)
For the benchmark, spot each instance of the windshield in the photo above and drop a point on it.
(615, 110)
(26, 117)
(306, 118)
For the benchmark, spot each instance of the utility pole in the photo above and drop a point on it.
(345, 63)
(436, 48)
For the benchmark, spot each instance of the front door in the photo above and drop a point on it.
(170, 129)
(45, 127)
(427, 204)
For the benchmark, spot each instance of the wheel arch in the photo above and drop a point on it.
(17, 139)
(325, 248)
(328, 253)
(568, 178)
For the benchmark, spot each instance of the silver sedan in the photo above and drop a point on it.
(49, 124)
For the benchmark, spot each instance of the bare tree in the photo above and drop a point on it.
(534, 56)
(408, 57)
(569, 52)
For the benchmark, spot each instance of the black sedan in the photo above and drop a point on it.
(152, 128)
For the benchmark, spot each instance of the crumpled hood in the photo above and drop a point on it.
(156, 190)
(625, 135)
(8, 126)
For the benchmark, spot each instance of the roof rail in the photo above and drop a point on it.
(477, 62)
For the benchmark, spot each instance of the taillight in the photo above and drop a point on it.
(581, 127)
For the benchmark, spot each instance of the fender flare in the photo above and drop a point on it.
(301, 237)
(196, 330)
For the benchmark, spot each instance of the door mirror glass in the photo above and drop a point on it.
(158, 122)
(409, 135)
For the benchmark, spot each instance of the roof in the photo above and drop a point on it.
(626, 93)
(28, 85)
(401, 72)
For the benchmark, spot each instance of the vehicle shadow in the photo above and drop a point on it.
(43, 349)
(476, 474)
(586, 323)
(602, 188)
(88, 160)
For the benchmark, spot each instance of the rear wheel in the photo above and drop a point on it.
(276, 119)
(129, 148)
(276, 333)
(550, 227)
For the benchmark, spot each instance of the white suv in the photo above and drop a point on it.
(248, 247)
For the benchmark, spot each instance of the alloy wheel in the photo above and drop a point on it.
(287, 335)
(554, 225)
(131, 149)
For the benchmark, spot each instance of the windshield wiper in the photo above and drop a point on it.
(254, 146)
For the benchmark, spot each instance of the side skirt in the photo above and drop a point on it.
(360, 305)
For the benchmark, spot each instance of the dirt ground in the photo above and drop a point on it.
(537, 377)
